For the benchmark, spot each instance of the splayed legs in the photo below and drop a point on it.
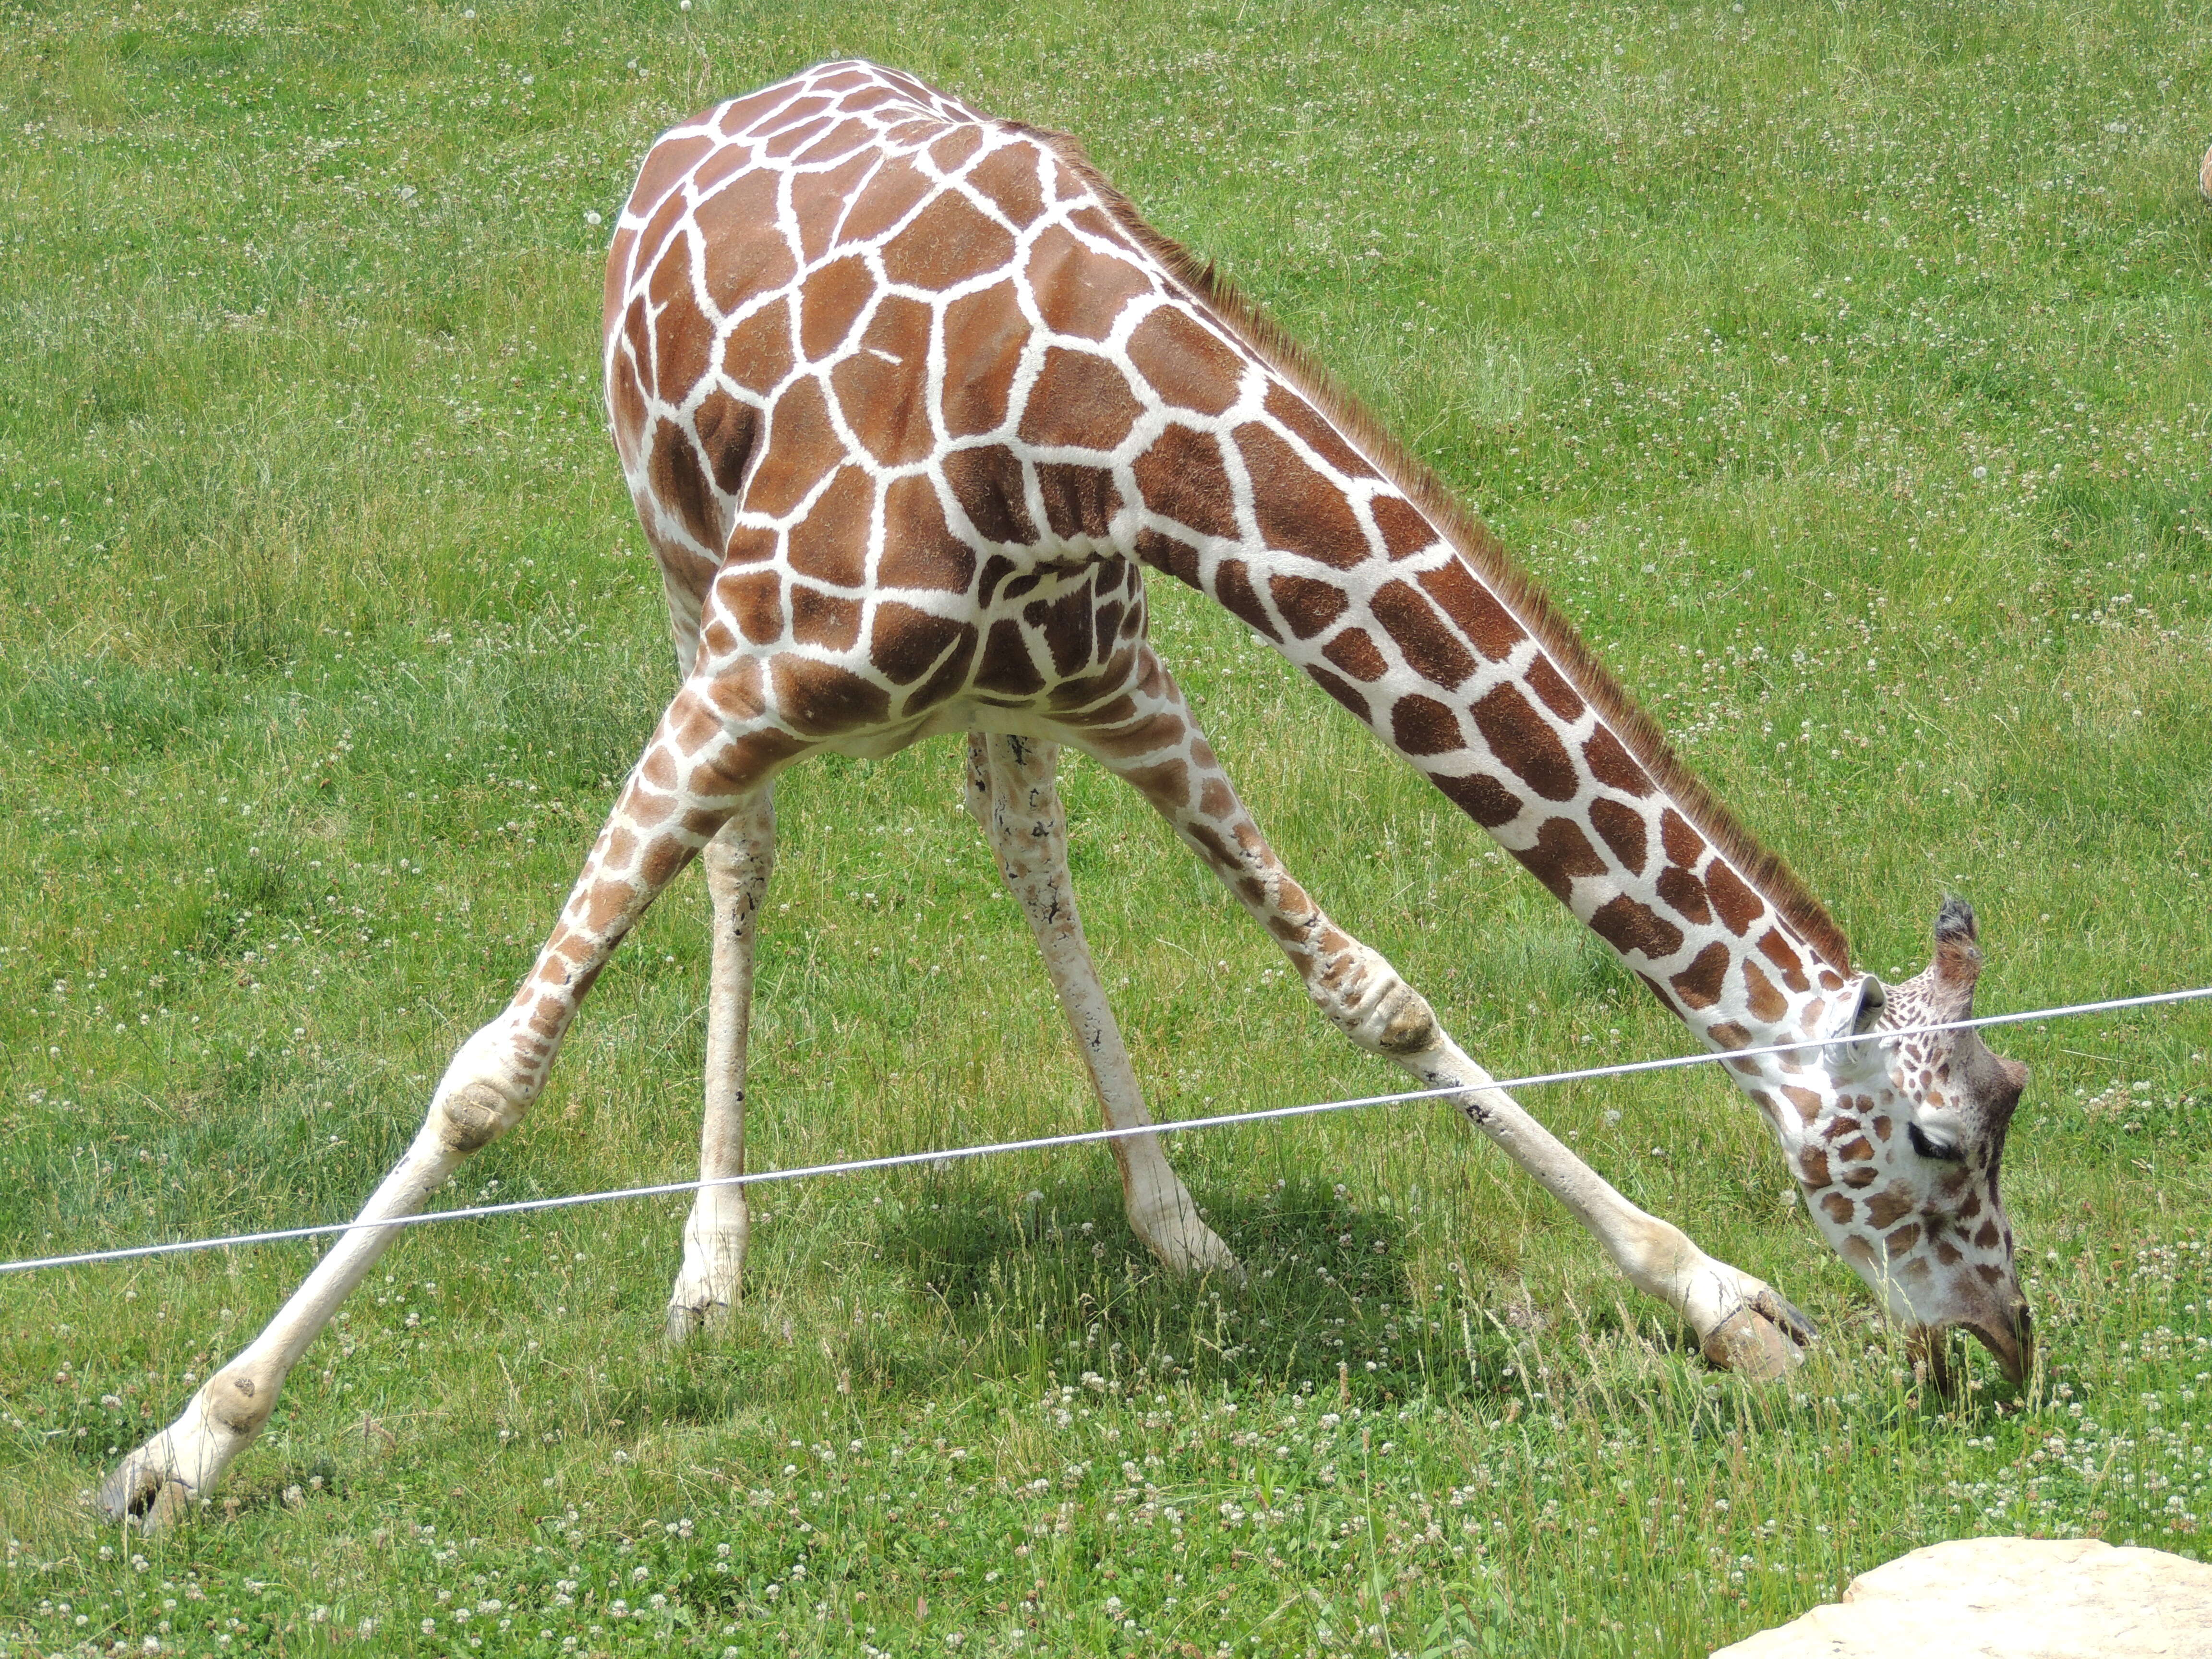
(700, 767)
(1740, 1322)
(1011, 794)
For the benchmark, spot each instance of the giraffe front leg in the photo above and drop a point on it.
(697, 770)
(739, 863)
(1012, 793)
(1740, 1322)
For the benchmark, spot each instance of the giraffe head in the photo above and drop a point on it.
(1899, 1156)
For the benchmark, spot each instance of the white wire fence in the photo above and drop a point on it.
(947, 1156)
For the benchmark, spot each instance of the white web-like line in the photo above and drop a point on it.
(1086, 1136)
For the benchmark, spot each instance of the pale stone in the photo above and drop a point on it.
(2008, 1598)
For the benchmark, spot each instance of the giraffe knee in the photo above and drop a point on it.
(239, 1404)
(471, 1117)
(1402, 1021)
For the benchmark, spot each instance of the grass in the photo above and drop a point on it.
(1844, 370)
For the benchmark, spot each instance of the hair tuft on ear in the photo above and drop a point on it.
(1954, 923)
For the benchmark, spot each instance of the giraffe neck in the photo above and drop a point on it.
(1506, 713)
(1362, 567)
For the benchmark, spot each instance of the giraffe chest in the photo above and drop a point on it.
(1028, 644)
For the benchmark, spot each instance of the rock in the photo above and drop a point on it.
(2008, 1598)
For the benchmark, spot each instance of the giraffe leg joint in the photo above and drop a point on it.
(1404, 1023)
(471, 1117)
(238, 1406)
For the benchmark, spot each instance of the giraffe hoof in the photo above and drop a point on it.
(1753, 1345)
(142, 1494)
(1795, 1321)
(686, 1321)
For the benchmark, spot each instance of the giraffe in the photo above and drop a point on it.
(908, 400)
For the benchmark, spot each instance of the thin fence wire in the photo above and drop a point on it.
(1084, 1138)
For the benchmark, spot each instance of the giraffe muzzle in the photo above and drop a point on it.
(2010, 1339)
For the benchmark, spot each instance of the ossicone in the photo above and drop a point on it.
(1958, 961)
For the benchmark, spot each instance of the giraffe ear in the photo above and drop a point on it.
(1874, 997)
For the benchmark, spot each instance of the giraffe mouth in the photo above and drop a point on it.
(2010, 1340)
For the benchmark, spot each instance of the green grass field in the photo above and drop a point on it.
(1845, 371)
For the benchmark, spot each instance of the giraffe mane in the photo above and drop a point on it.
(1765, 869)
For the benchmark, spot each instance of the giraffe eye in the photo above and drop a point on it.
(1942, 1152)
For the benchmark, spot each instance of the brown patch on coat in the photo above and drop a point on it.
(682, 339)
(830, 544)
(801, 446)
(1356, 654)
(827, 622)
(1405, 532)
(1699, 984)
(1560, 854)
(830, 302)
(1233, 586)
(874, 386)
(1766, 1003)
(1008, 176)
(1079, 290)
(1684, 894)
(1313, 429)
(1066, 624)
(897, 188)
(1627, 925)
(679, 483)
(1182, 477)
(741, 112)
(1525, 743)
(1299, 510)
(1624, 830)
(819, 699)
(1079, 501)
(949, 240)
(1423, 639)
(1080, 401)
(745, 254)
(818, 200)
(1422, 725)
(919, 549)
(1308, 606)
(728, 432)
(840, 139)
(1006, 666)
(1784, 955)
(666, 165)
(1736, 905)
(754, 601)
(1614, 766)
(756, 354)
(1185, 363)
(1887, 1205)
(955, 147)
(1551, 686)
(986, 481)
(1481, 797)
